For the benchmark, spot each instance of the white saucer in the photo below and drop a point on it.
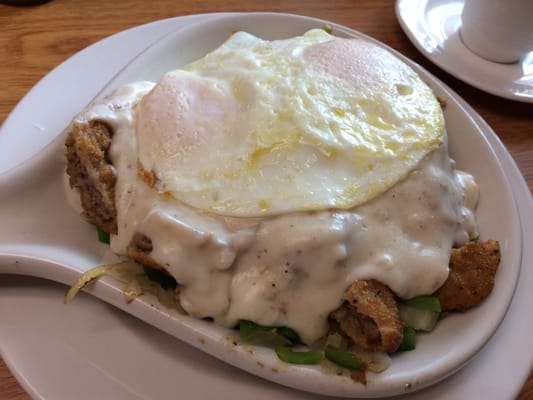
(433, 27)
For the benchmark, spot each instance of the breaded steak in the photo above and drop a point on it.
(92, 174)
(472, 272)
(370, 317)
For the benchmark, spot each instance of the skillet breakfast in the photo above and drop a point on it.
(300, 185)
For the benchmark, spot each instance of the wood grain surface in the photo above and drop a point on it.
(33, 40)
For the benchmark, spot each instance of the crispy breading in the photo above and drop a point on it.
(91, 172)
(472, 272)
(370, 317)
(139, 249)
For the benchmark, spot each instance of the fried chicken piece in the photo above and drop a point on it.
(370, 317)
(472, 271)
(91, 172)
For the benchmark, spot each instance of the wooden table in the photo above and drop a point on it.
(35, 39)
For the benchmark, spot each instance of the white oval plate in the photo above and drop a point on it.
(30, 247)
(433, 27)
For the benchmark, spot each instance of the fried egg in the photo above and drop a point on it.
(310, 123)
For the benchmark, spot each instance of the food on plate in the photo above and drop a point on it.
(471, 278)
(300, 185)
(369, 316)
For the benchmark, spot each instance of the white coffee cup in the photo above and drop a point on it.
(498, 30)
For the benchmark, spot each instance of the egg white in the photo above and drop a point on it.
(262, 127)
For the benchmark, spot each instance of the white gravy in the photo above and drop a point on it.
(291, 270)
